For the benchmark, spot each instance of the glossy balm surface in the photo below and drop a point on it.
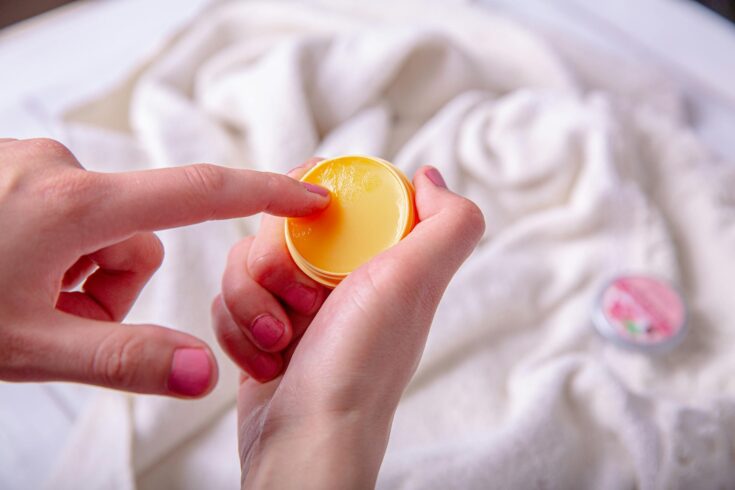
(371, 209)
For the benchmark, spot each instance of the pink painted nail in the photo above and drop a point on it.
(191, 372)
(435, 177)
(316, 189)
(265, 367)
(301, 298)
(267, 331)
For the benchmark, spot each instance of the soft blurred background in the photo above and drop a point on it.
(55, 55)
(691, 41)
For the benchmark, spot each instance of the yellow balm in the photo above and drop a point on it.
(371, 209)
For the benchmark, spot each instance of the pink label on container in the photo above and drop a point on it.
(643, 310)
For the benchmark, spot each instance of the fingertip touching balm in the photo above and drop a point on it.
(371, 209)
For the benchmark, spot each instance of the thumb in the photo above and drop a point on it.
(383, 310)
(135, 358)
(449, 228)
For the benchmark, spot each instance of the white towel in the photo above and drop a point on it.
(584, 167)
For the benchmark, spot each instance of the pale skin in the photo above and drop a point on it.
(61, 225)
(323, 370)
(345, 356)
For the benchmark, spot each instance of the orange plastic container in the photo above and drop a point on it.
(371, 209)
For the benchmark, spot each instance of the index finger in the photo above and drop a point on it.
(152, 200)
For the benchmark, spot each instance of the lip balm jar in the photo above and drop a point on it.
(371, 209)
(641, 313)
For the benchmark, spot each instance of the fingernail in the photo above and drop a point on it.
(191, 372)
(435, 177)
(301, 298)
(309, 163)
(265, 367)
(267, 331)
(316, 189)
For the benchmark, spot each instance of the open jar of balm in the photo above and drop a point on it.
(371, 209)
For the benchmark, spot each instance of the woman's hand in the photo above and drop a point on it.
(61, 225)
(347, 354)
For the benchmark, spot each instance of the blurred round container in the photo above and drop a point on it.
(641, 313)
(371, 209)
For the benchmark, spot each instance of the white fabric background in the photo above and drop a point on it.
(580, 177)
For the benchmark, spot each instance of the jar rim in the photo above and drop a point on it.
(408, 218)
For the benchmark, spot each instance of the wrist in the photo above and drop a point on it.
(342, 450)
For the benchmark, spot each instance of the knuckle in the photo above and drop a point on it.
(71, 192)
(234, 290)
(115, 359)
(243, 246)
(228, 336)
(274, 187)
(48, 148)
(275, 182)
(227, 333)
(12, 178)
(151, 253)
(240, 249)
(470, 219)
(216, 308)
(205, 179)
(266, 266)
(235, 282)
